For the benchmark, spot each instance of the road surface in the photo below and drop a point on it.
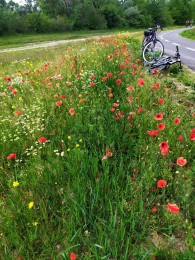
(186, 47)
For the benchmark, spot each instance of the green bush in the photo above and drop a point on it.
(38, 22)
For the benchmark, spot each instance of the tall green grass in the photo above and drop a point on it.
(81, 157)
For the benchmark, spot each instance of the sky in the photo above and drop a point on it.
(20, 2)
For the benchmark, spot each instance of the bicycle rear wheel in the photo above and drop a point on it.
(152, 51)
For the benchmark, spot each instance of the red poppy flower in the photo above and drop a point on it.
(153, 132)
(139, 110)
(160, 101)
(161, 184)
(7, 79)
(192, 135)
(140, 82)
(14, 91)
(164, 145)
(121, 73)
(92, 77)
(132, 113)
(59, 103)
(108, 152)
(130, 99)
(110, 95)
(164, 151)
(177, 121)
(120, 114)
(73, 256)
(181, 161)
(180, 137)
(104, 78)
(155, 71)
(11, 156)
(153, 87)
(161, 126)
(130, 88)
(115, 105)
(158, 116)
(92, 84)
(18, 112)
(109, 74)
(42, 139)
(72, 111)
(173, 208)
(118, 81)
(122, 66)
(154, 209)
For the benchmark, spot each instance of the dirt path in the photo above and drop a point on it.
(51, 43)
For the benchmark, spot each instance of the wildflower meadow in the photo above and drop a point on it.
(96, 156)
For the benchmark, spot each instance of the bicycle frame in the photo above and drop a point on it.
(149, 36)
(165, 62)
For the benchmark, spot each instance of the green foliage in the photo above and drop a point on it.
(111, 14)
(90, 14)
(37, 22)
(87, 17)
(181, 11)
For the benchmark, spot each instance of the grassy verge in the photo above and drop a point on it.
(96, 155)
(11, 41)
(190, 34)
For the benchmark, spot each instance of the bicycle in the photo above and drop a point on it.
(152, 48)
(164, 62)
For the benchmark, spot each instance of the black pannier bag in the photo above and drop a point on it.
(147, 33)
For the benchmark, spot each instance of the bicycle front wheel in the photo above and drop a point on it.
(152, 51)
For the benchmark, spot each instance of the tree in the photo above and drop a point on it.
(180, 10)
(131, 12)
(30, 6)
(111, 12)
(2, 3)
(87, 17)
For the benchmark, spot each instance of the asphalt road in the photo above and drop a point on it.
(186, 47)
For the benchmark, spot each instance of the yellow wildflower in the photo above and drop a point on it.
(30, 205)
(35, 223)
(15, 184)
